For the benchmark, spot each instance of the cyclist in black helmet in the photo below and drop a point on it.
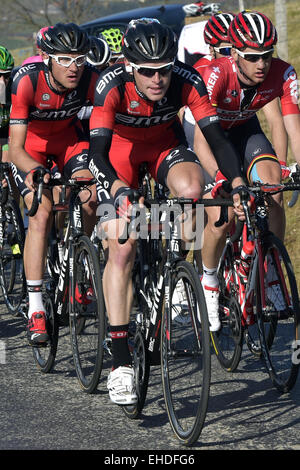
(46, 99)
(99, 54)
(134, 120)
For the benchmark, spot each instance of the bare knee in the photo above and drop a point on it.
(40, 222)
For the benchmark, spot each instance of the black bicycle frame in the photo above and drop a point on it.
(65, 284)
(162, 293)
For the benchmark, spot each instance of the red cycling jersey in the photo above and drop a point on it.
(203, 62)
(126, 126)
(226, 93)
(119, 105)
(53, 127)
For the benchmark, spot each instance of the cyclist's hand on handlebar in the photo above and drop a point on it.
(4, 183)
(123, 200)
(240, 194)
(285, 170)
(31, 177)
(219, 189)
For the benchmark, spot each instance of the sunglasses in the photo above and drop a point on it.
(255, 56)
(149, 72)
(223, 50)
(5, 74)
(66, 61)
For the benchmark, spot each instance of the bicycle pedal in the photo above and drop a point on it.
(38, 345)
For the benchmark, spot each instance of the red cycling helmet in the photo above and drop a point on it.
(252, 29)
(216, 28)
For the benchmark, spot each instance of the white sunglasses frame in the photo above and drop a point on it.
(137, 67)
(217, 49)
(258, 54)
(73, 59)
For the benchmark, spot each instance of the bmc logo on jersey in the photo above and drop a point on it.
(187, 74)
(108, 77)
(24, 69)
(55, 113)
(144, 121)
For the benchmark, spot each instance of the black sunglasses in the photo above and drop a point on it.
(151, 71)
(226, 50)
(5, 74)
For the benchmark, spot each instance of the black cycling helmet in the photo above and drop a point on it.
(147, 40)
(65, 38)
(100, 53)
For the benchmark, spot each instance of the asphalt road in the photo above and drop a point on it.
(50, 412)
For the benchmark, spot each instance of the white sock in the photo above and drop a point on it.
(210, 278)
(35, 297)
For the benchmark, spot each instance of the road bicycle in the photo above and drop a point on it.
(262, 308)
(12, 239)
(171, 330)
(73, 293)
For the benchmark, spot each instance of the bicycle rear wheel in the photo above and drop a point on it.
(278, 315)
(228, 341)
(45, 354)
(87, 316)
(185, 354)
(12, 276)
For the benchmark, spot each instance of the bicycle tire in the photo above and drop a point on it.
(87, 341)
(228, 340)
(143, 285)
(279, 321)
(185, 355)
(45, 354)
(12, 275)
(141, 364)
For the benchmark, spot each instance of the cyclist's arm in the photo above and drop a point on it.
(17, 153)
(22, 99)
(204, 153)
(99, 164)
(292, 125)
(226, 157)
(207, 119)
(279, 138)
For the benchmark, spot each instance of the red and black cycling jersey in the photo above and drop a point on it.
(226, 92)
(120, 109)
(45, 110)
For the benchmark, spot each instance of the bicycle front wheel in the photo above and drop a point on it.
(45, 354)
(278, 314)
(228, 341)
(12, 276)
(185, 353)
(87, 316)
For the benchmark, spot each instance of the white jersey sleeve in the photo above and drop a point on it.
(191, 39)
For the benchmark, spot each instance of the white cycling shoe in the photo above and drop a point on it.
(121, 386)
(212, 303)
(180, 310)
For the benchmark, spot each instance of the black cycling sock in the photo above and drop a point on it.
(119, 341)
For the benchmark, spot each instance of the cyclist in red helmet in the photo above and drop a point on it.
(215, 35)
(238, 87)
